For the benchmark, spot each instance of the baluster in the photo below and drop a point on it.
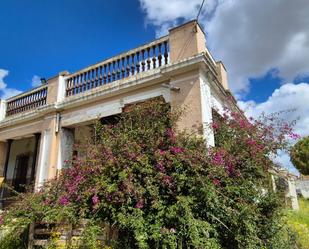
(114, 72)
(96, 77)
(31, 101)
(73, 86)
(109, 72)
(160, 55)
(40, 97)
(45, 95)
(143, 60)
(137, 62)
(84, 88)
(128, 65)
(148, 58)
(92, 78)
(123, 71)
(75, 91)
(24, 103)
(105, 74)
(118, 69)
(132, 64)
(69, 88)
(165, 53)
(101, 77)
(80, 89)
(88, 80)
(154, 56)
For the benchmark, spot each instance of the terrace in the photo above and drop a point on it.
(139, 62)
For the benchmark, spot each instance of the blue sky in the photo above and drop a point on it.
(41, 37)
(263, 44)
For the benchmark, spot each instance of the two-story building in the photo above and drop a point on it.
(38, 128)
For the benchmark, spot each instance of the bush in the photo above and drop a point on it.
(167, 190)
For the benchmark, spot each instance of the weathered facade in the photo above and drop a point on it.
(38, 128)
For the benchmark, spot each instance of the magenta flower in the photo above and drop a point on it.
(216, 182)
(171, 134)
(95, 200)
(251, 141)
(176, 150)
(140, 204)
(63, 201)
(215, 126)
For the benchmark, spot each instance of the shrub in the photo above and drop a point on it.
(167, 190)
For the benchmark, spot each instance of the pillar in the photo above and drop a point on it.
(2, 109)
(48, 152)
(65, 149)
(186, 41)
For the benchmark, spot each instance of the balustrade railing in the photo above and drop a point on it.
(27, 101)
(141, 59)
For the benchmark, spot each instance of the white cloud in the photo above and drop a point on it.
(293, 98)
(6, 92)
(36, 81)
(3, 74)
(165, 14)
(250, 37)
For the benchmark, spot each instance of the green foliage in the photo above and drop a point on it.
(167, 190)
(13, 237)
(298, 221)
(300, 155)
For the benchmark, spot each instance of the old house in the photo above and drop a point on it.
(38, 128)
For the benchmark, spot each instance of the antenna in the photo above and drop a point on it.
(200, 10)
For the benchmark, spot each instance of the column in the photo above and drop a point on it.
(65, 149)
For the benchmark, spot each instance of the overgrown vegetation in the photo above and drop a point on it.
(167, 190)
(298, 221)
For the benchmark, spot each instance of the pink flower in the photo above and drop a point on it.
(160, 167)
(218, 158)
(95, 200)
(170, 133)
(216, 182)
(176, 150)
(63, 201)
(294, 136)
(140, 204)
(215, 126)
(250, 141)
(162, 152)
(167, 180)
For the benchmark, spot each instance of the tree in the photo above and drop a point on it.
(300, 155)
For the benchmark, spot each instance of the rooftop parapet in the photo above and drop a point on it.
(182, 42)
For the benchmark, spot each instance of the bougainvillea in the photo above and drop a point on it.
(168, 190)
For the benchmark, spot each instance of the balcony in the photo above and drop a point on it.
(136, 61)
(141, 62)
